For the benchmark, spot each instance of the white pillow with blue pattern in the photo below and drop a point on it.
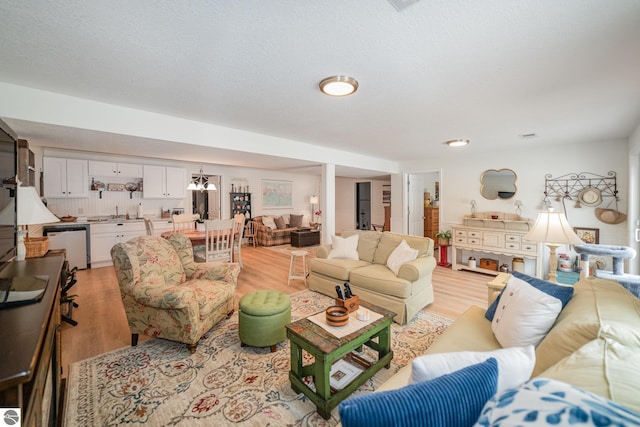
(547, 402)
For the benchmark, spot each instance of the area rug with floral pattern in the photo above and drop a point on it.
(159, 383)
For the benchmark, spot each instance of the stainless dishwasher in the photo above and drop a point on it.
(74, 238)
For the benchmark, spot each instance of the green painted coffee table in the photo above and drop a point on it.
(327, 349)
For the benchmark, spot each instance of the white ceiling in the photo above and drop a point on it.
(487, 70)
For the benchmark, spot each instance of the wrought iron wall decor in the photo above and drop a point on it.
(571, 185)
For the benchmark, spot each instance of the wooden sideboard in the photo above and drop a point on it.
(500, 244)
(30, 368)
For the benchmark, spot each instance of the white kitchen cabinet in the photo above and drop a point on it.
(105, 236)
(65, 178)
(164, 182)
(128, 170)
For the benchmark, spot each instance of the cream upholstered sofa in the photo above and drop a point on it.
(166, 294)
(405, 293)
(594, 343)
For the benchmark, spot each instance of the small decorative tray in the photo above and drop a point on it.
(115, 187)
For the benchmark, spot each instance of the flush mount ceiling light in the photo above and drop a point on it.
(457, 142)
(338, 85)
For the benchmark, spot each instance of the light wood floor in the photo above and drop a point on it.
(102, 325)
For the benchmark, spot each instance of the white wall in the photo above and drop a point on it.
(460, 182)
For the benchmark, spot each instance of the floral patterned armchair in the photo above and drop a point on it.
(168, 295)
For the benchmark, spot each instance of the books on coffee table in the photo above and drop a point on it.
(342, 373)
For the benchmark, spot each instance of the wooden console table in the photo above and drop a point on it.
(30, 368)
(504, 243)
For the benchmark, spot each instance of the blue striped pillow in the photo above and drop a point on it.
(451, 400)
(563, 293)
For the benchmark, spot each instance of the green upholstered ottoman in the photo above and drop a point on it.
(261, 318)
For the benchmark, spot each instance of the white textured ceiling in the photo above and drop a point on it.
(486, 70)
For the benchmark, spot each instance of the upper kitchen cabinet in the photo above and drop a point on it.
(128, 170)
(68, 178)
(164, 182)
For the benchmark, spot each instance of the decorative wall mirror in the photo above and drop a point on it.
(498, 184)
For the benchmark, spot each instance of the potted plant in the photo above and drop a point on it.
(443, 237)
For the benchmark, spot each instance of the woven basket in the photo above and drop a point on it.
(36, 246)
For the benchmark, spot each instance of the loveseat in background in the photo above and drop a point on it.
(266, 236)
(405, 294)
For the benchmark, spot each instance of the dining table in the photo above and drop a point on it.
(196, 237)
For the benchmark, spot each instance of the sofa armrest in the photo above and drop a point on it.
(322, 251)
(153, 292)
(419, 267)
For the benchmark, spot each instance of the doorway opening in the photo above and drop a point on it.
(207, 203)
(363, 205)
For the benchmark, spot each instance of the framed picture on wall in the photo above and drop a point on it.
(386, 194)
(588, 235)
(277, 194)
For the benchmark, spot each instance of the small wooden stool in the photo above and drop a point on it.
(294, 274)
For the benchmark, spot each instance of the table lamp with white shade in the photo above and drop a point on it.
(553, 229)
(30, 211)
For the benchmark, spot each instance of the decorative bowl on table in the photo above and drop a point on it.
(68, 218)
(337, 315)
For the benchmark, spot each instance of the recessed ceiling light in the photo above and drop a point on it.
(457, 142)
(338, 85)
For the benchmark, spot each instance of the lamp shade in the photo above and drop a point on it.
(313, 200)
(31, 210)
(552, 228)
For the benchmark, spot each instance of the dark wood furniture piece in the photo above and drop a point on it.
(30, 368)
(300, 238)
(240, 203)
(328, 349)
(431, 222)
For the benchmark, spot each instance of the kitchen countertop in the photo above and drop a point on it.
(104, 220)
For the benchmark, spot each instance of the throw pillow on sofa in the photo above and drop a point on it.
(515, 365)
(295, 221)
(400, 255)
(563, 293)
(543, 401)
(344, 248)
(269, 222)
(454, 399)
(280, 224)
(524, 314)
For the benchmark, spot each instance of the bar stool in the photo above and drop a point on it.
(294, 274)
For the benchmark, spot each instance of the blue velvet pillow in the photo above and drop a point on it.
(451, 400)
(563, 293)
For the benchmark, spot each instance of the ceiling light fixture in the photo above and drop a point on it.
(457, 142)
(338, 85)
(201, 183)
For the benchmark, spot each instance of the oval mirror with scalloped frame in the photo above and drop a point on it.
(498, 184)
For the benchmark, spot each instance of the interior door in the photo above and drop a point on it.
(363, 206)
(415, 205)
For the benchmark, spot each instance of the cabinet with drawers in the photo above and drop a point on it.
(431, 222)
(494, 243)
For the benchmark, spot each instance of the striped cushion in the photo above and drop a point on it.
(454, 399)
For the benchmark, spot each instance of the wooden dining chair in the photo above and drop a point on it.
(218, 241)
(185, 222)
(238, 233)
(250, 232)
(148, 225)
